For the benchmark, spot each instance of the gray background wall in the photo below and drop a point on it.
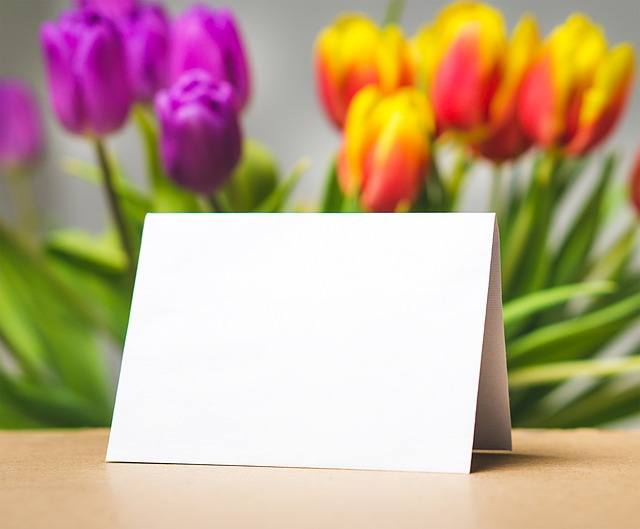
(284, 112)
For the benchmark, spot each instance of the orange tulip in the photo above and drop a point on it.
(472, 73)
(354, 53)
(385, 150)
(457, 60)
(574, 93)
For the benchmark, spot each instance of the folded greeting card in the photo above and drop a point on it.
(357, 341)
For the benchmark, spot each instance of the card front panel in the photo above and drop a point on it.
(348, 341)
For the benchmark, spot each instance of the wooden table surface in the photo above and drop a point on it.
(581, 478)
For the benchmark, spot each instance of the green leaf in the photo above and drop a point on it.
(571, 259)
(276, 200)
(254, 179)
(436, 194)
(352, 205)
(612, 263)
(108, 294)
(457, 179)
(332, 197)
(94, 269)
(525, 259)
(614, 400)
(571, 338)
(52, 405)
(54, 331)
(561, 371)
(102, 252)
(134, 204)
(528, 305)
(12, 418)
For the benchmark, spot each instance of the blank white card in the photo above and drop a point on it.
(356, 341)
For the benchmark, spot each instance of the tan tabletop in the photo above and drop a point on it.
(582, 478)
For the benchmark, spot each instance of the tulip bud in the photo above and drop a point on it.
(200, 138)
(21, 138)
(574, 93)
(502, 137)
(634, 187)
(146, 32)
(353, 53)
(458, 61)
(87, 72)
(210, 40)
(385, 150)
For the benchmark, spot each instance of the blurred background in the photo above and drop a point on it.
(284, 112)
(569, 223)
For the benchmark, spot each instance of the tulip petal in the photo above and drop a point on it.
(193, 46)
(537, 108)
(66, 96)
(104, 81)
(359, 134)
(461, 90)
(604, 101)
(146, 31)
(522, 50)
(225, 31)
(210, 40)
(394, 168)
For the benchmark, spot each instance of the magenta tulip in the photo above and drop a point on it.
(146, 32)
(200, 137)
(21, 137)
(209, 39)
(87, 72)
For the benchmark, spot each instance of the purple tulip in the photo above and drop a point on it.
(146, 33)
(210, 39)
(109, 8)
(200, 137)
(21, 137)
(87, 72)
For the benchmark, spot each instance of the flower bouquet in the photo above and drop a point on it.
(418, 118)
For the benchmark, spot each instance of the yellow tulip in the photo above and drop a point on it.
(385, 151)
(353, 53)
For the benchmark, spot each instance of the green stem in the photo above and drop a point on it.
(496, 189)
(215, 204)
(393, 12)
(458, 177)
(114, 203)
(144, 121)
(525, 246)
(26, 210)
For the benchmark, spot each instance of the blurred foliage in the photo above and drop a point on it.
(64, 301)
(568, 296)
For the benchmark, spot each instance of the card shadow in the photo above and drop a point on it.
(488, 460)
